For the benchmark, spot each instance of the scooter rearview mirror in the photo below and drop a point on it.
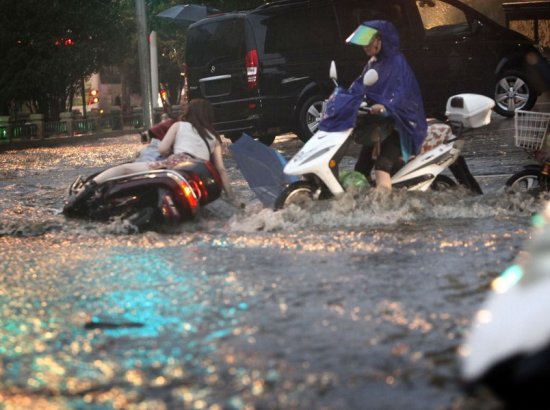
(332, 73)
(370, 77)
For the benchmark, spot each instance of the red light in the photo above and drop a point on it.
(252, 63)
(64, 41)
(94, 96)
(189, 195)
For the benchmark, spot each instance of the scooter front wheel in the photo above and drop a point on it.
(527, 180)
(299, 193)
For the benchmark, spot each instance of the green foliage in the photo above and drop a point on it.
(48, 47)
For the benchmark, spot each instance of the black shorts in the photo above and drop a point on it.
(389, 160)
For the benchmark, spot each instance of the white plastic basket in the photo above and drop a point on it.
(531, 129)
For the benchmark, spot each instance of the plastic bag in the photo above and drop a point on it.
(353, 181)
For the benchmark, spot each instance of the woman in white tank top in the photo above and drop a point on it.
(194, 137)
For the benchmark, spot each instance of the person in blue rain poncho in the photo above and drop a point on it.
(395, 101)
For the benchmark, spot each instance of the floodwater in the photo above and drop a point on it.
(357, 303)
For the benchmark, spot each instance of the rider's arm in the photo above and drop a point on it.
(167, 143)
(218, 163)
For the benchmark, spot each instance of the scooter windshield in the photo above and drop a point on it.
(341, 109)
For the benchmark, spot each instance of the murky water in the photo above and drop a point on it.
(350, 304)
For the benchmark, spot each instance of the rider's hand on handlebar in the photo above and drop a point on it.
(377, 109)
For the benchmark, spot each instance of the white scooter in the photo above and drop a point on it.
(317, 161)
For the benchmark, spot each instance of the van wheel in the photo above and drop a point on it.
(309, 116)
(513, 92)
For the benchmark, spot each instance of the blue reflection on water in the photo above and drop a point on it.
(160, 307)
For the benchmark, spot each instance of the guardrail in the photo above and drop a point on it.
(72, 124)
(68, 125)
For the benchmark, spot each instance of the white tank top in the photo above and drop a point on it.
(189, 141)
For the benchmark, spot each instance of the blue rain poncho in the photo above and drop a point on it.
(342, 107)
(396, 89)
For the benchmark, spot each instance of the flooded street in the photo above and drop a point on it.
(356, 303)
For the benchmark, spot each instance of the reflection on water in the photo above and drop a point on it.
(355, 300)
(176, 316)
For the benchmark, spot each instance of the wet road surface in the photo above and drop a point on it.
(359, 303)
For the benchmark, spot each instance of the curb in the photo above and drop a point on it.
(64, 140)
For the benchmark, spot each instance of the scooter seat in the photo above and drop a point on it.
(437, 134)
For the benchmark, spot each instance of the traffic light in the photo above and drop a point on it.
(163, 94)
(64, 42)
(93, 96)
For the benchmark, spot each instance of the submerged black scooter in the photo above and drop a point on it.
(149, 200)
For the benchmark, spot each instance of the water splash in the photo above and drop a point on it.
(371, 208)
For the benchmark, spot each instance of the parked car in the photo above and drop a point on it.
(265, 70)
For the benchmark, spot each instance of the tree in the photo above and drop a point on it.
(48, 47)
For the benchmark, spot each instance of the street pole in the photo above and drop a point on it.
(144, 64)
(154, 68)
(83, 91)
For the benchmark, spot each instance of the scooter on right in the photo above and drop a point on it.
(531, 131)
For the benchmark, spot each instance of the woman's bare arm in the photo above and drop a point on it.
(167, 143)
(218, 163)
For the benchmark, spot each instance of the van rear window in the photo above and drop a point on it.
(216, 41)
(305, 28)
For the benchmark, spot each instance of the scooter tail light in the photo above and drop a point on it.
(252, 65)
(190, 196)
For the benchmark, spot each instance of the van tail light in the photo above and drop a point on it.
(251, 61)
(185, 90)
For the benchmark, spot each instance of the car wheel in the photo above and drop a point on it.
(527, 180)
(309, 116)
(513, 92)
(299, 193)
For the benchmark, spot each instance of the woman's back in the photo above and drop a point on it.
(189, 141)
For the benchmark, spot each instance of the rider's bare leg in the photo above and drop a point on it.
(383, 180)
(121, 170)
